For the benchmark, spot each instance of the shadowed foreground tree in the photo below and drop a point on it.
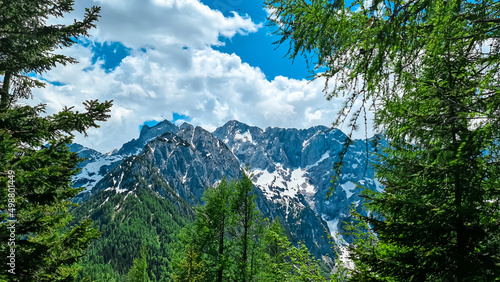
(430, 72)
(35, 199)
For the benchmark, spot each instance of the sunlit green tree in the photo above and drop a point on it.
(430, 72)
(138, 272)
(247, 227)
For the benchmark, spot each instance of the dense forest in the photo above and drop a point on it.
(429, 70)
(130, 222)
(164, 239)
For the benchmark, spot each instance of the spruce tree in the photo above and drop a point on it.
(188, 263)
(275, 247)
(36, 165)
(430, 71)
(230, 240)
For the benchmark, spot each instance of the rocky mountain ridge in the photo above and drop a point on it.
(291, 170)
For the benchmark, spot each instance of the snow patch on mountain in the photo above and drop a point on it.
(325, 156)
(349, 188)
(380, 187)
(283, 182)
(90, 173)
(344, 257)
(104, 202)
(308, 141)
(116, 185)
(333, 226)
(245, 137)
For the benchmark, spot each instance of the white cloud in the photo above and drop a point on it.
(208, 86)
(142, 23)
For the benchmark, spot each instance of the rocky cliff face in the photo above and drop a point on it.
(291, 169)
(191, 160)
(93, 168)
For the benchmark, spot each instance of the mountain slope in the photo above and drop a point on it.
(191, 160)
(133, 205)
(291, 170)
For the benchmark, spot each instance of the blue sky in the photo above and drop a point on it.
(256, 49)
(202, 62)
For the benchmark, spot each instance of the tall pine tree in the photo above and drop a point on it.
(35, 164)
(430, 71)
(138, 272)
(211, 227)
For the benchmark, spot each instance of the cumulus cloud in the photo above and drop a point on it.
(142, 23)
(178, 72)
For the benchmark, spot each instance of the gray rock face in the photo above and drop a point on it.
(292, 171)
(191, 160)
(93, 168)
(135, 146)
(293, 168)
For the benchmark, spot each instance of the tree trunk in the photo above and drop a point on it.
(4, 103)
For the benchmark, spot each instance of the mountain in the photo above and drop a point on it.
(132, 205)
(292, 171)
(293, 168)
(93, 168)
(135, 146)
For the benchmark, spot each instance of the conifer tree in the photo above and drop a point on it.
(275, 247)
(138, 272)
(211, 226)
(285, 262)
(248, 249)
(247, 228)
(188, 264)
(36, 165)
(430, 70)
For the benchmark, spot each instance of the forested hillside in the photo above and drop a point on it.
(150, 214)
(291, 172)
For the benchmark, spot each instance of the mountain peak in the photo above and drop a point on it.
(235, 124)
(165, 126)
(135, 146)
(292, 170)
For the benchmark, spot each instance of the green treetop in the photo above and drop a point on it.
(430, 71)
(34, 147)
(229, 241)
(27, 43)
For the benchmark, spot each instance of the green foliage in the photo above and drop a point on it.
(189, 265)
(430, 70)
(275, 247)
(230, 241)
(138, 272)
(212, 225)
(28, 43)
(246, 228)
(33, 145)
(129, 220)
(285, 262)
